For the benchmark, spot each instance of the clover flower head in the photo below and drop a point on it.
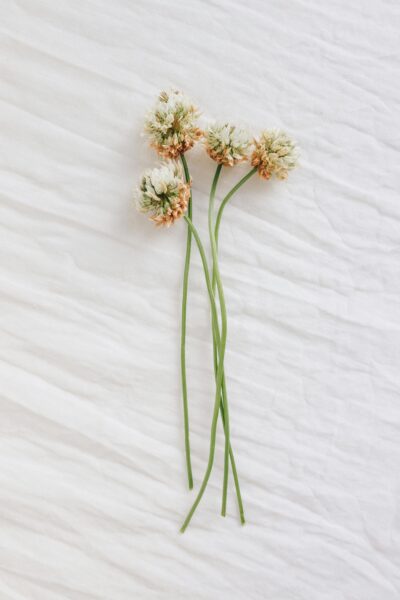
(226, 144)
(164, 194)
(274, 154)
(172, 124)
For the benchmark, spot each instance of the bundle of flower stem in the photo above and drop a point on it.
(165, 194)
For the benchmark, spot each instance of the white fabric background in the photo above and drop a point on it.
(92, 476)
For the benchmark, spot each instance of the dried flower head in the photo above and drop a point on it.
(172, 124)
(227, 144)
(164, 194)
(274, 154)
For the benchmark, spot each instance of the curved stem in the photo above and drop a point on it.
(216, 276)
(228, 197)
(220, 372)
(216, 342)
(224, 399)
(183, 334)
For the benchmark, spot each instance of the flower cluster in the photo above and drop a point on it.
(173, 130)
(274, 154)
(164, 194)
(227, 144)
(171, 125)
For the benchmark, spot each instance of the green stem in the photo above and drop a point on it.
(216, 342)
(233, 463)
(216, 276)
(226, 200)
(220, 372)
(183, 334)
(224, 400)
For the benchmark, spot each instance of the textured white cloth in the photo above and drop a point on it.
(92, 473)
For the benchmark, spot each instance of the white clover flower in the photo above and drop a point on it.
(164, 194)
(274, 154)
(227, 144)
(172, 124)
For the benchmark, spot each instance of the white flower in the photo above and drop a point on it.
(172, 124)
(164, 194)
(274, 154)
(227, 144)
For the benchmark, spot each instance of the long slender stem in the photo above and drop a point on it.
(224, 399)
(220, 341)
(220, 372)
(216, 342)
(217, 277)
(183, 334)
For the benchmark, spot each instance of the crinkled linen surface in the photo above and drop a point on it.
(92, 474)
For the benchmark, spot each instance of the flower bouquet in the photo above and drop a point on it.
(165, 194)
